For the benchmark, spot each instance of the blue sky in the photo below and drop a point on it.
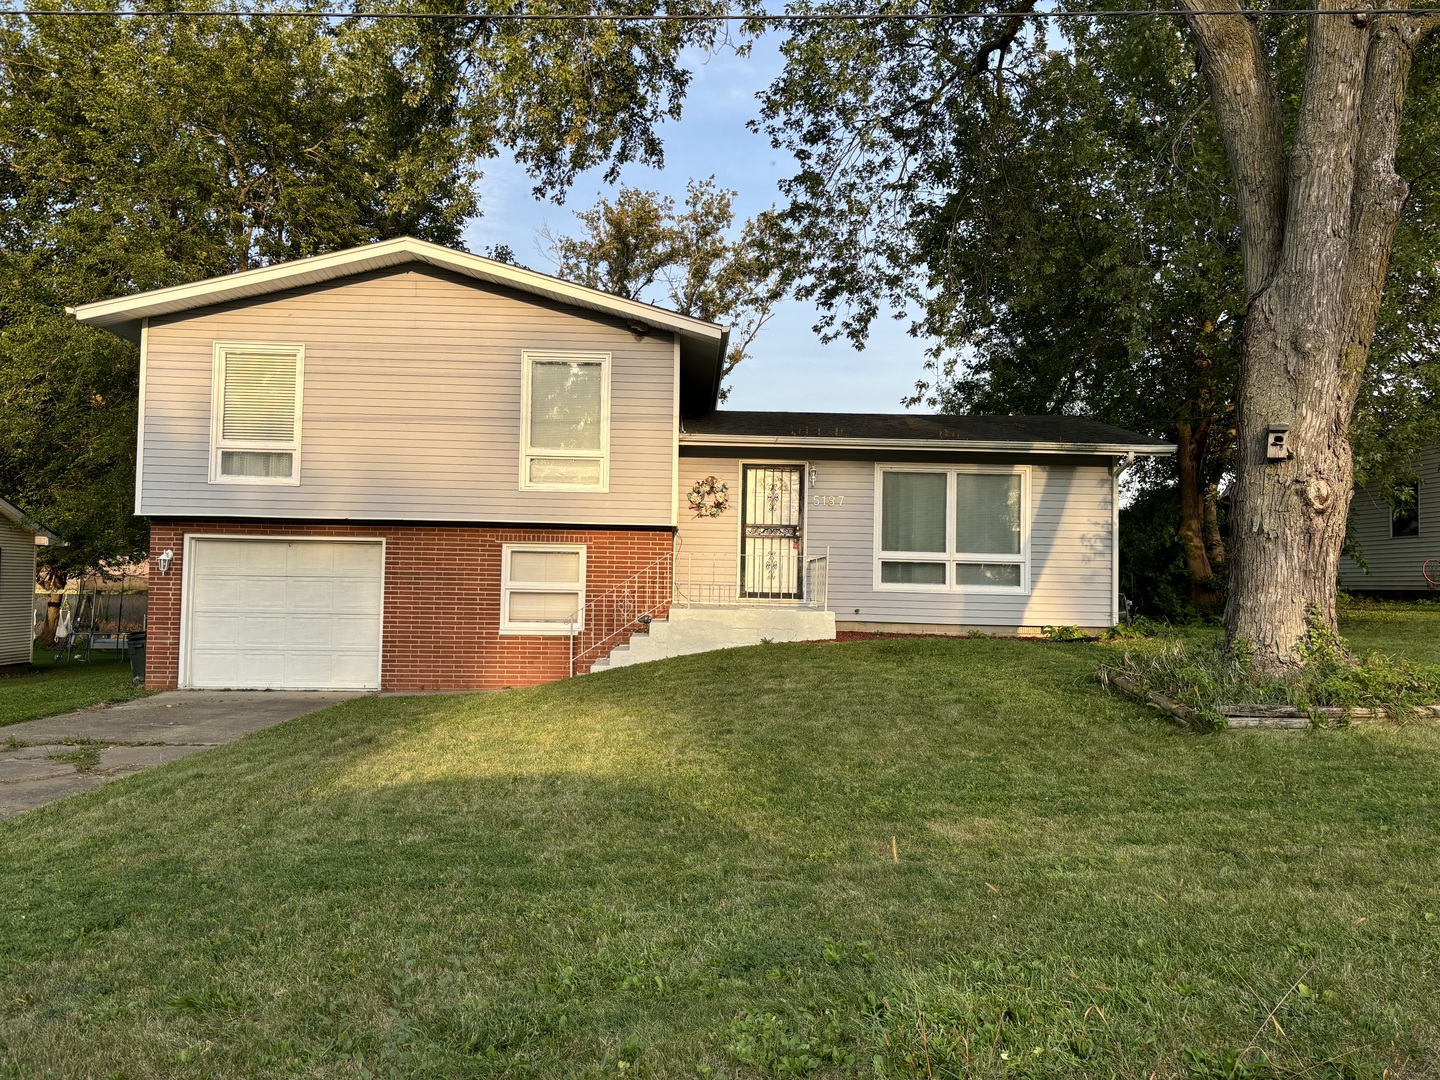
(789, 367)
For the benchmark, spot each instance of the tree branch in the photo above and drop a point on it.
(1001, 41)
(1422, 25)
(1247, 111)
(1380, 191)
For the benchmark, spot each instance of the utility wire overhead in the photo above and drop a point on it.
(662, 17)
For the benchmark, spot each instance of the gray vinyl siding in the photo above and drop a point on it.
(411, 406)
(1071, 547)
(17, 594)
(1394, 561)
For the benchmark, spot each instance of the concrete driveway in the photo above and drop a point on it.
(45, 760)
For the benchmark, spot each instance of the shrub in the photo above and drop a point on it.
(1208, 677)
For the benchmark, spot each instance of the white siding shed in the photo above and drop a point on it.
(17, 585)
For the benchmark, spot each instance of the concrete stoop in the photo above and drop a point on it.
(695, 630)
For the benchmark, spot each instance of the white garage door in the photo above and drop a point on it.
(283, 614)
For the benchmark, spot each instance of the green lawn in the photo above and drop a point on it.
(686, 869)
(1408, 629)
(60, 686)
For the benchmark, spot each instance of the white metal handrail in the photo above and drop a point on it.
(597, 627)
(817, 581)
(711, 580)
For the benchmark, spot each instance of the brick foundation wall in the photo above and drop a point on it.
(442, 598)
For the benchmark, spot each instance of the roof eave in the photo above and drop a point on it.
(989, 446)
(15, 516)
(123, 315)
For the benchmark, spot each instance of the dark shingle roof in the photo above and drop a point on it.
(1045, 431)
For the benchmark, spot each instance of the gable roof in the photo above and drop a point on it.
(15, 516)
(1036, 434)
(702, 344)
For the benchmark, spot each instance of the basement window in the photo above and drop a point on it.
(542, 588)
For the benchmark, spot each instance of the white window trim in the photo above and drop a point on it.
(949, 557)
(528, 452)
(547, 629)
(217, 406)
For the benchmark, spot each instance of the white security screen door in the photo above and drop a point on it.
(771, 545)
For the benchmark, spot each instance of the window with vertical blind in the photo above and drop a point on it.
(255, 414)
(565, 424)
(542, 588)
(965, 528)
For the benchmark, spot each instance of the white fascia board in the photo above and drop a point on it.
(976, 445)
(123, 314)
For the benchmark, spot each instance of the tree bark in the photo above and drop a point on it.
(53, 580)
(1314, 273)
(1191, 442)
(1214, 542)
(53, 602)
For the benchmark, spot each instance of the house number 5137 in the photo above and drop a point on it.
(829, 500)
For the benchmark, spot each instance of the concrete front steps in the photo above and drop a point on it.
(694, 630)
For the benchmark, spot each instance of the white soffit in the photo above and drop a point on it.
(124, 314)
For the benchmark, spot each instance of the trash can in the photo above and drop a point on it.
(137, 657)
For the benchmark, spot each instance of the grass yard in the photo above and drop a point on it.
(686, 869)
(1410, 629)
(60, 686)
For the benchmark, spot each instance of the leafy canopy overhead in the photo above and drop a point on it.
(1052, 201)
(140, 153)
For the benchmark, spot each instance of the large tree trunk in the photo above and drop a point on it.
(1317, 227)
(1287, 518)
(53, 602)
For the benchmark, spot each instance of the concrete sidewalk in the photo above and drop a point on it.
(44, 760)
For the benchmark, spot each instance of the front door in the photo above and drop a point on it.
(771, 544)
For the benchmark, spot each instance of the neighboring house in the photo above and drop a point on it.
(19, 536)
(407, 467)
(1396, 542)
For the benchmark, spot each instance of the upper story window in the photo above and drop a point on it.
(255, 414)
(1405, 515)
(953, 529)
(565, 423)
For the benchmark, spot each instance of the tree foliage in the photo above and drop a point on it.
(690, 259)
(137, 153)
(1056, 205)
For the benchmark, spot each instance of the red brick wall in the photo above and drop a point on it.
(442, 598)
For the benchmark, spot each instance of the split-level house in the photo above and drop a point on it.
(407, 467)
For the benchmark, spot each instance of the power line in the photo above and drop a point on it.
(680, 17)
